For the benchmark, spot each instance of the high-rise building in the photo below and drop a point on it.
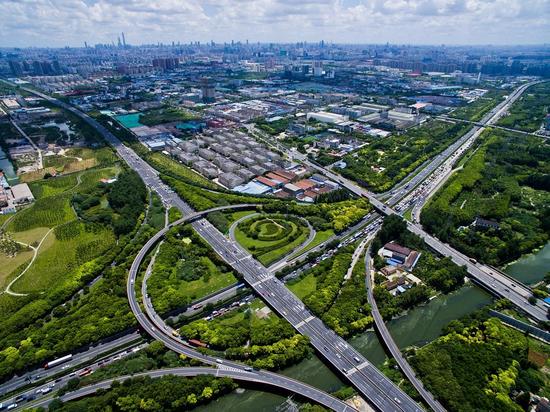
(208, 90)
(37, 68)
(15, 68)
(165, 64)
(317, 69)
(56, 67)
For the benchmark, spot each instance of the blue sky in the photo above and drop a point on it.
(71, 22)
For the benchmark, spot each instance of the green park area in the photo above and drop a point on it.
(185, 269)
(69, 236)
(506, 181)
(270, 237)
(528, 112)
(480, 364)
(387, 161)
(252, 334)
(165, 115)
(274, 127)
(475, 110)
(341, 303)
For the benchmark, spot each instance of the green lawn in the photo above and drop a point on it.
(197, 289)
(304, 286)
(271, 257)
(8, 265)
(269, 251)
(320, 237)
(233, 217)
(171, 167)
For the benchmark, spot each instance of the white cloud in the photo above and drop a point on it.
(71, 22)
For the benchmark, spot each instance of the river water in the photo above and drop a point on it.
(418, 327)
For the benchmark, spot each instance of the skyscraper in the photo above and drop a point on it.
(15, 68)
(208, 90)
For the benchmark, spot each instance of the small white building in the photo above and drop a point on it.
(21, 194)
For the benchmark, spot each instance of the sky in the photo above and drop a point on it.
(58, 23)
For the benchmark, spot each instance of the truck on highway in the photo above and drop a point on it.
(85, 372)
(58, 361)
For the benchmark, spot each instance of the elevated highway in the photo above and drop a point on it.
(490, 279)
(277, 382)
(156, 327)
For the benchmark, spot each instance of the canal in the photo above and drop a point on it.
(418, 327)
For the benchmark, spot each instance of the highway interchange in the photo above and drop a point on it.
(489, 278)
(379, 390)
(371, 383)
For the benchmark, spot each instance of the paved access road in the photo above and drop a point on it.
(391, 345)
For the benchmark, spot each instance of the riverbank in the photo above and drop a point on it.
(417, 327)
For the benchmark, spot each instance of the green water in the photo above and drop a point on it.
(418, 327)
(532, 268)
(8, 168)
(129, 120)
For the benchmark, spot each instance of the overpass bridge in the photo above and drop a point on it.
(184, 372)
(155, 326)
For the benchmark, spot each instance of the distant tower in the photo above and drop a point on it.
(208, 90)
(85, 45)
(119, 42)
(123, 40)
(317, 69)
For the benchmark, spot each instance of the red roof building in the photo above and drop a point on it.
(277, 178)
(285, 174)
(305, 184)
(267, 182)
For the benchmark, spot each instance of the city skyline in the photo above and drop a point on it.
(60, 23)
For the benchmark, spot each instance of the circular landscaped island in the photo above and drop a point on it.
(269, 237)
